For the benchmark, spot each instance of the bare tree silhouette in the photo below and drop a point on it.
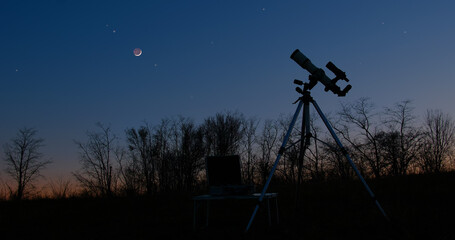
(162, 151)
(357, 126)
(249, 147)
(223, 133)
(189, 152)
(141, 170)
(439, 140)
(268, 142)
(24, 161)
(402, 140)
(98, 157)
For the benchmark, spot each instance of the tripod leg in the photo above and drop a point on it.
(282, 148)
(305, 134)
(329, 127)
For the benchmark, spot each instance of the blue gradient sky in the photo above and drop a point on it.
(65, 65)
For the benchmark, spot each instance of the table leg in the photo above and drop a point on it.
(268, 211)
(194, 214)
(207, 213)
(277, 213)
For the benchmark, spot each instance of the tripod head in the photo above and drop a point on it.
(318, 75)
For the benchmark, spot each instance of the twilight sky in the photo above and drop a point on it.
(65, 65)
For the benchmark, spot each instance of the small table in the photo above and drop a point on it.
(207, 198)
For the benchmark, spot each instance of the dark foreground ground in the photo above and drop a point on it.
(421, 207)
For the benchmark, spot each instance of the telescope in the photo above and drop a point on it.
(317, 74)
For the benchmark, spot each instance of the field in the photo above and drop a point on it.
(420, 207)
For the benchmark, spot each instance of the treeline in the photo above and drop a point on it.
(170, 156)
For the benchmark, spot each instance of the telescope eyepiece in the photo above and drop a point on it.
(298, 82)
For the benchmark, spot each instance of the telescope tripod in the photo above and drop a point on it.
(305, 101)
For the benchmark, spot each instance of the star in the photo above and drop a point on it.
(114, 31)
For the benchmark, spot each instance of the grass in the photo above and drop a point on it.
(420, 206)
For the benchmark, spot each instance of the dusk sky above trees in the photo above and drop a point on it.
(66, 65)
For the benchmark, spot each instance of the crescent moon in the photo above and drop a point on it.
(137, 52)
